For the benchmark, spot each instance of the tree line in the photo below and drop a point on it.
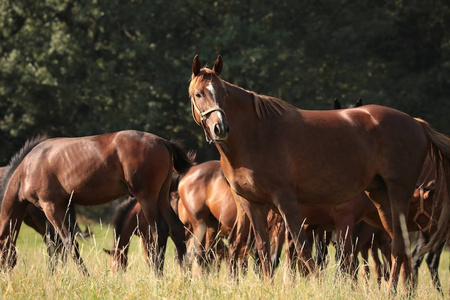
(78, 67)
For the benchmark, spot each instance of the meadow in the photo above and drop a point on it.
(31, 278)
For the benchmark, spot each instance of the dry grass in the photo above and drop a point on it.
(32, 280)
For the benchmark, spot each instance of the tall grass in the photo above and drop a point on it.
(31, 278)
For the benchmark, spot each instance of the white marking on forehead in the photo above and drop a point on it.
(210, 88)
(213, 93)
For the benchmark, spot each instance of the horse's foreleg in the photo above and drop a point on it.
(290, 211)
(199, 242)
(11, 217)
(257, 213)
(237, 239)
(344, 235)
(65, 227)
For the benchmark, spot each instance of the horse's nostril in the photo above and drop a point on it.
(227, 128)
(217, 129)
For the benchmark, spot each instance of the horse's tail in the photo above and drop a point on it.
(182, 160)
(17, 159)
(440, 154)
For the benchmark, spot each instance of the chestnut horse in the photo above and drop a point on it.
(50, 173)
(211, 210)
(270, 150)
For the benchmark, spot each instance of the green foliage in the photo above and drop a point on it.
(77, 67)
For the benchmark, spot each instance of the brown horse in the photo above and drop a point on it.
(36, 219)
(50, 173)
(129, 220)
(211, 210)
(270, 150)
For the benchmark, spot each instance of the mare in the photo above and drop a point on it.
(269, 149)
(50, 173)
(129, 220)
(36, 219)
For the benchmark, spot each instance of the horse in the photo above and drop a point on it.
(211, 210)
(269, 149)
(91, 170)
(128, 220)
(35, 218)
(206, 207)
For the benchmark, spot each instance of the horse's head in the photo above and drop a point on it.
(207, 93)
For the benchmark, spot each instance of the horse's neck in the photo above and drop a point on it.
(243, 121)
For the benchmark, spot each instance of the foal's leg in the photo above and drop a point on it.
(199, 242)
(56, 214)
(344, 234)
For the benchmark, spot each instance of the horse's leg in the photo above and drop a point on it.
(344, 233)
(176, 227)
(198, 241)
(237, 239)
(393, 220)
(65, 227)
(290, 210)
(417, 257)
(432, 260)
(11, 216)
(162, 234)
(257, 213)
(378, 266)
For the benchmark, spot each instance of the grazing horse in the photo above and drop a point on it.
(50, 173)
(36, 219)
(129, 220)
(269, 150)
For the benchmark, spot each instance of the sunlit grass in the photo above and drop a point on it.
(31, 278)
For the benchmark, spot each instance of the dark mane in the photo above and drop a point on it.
(17, 159)
(121, 210)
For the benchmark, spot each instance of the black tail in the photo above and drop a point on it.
(17, 159)
(182, 160)
(121, 211)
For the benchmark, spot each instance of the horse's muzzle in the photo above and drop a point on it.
(221, 131)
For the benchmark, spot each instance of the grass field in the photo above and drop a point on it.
(32, 280)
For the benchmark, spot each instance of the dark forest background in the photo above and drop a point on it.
(84, 67)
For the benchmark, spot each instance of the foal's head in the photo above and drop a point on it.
(207, 93)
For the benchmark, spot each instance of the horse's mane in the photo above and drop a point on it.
(16, 160)
(265, 106)
(122, 209)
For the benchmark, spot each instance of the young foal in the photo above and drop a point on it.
(50, 173)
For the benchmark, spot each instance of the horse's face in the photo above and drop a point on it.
(207, 93)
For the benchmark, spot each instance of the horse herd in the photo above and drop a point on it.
(285, 178)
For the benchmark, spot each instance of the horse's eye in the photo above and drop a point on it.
(198, 95)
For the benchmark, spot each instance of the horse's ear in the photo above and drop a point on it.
(358, 103)
(196, 65)
(218, 65)
(337, 104)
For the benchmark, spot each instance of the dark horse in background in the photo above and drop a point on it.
(50, 173)
(36, 219)
(269, 149)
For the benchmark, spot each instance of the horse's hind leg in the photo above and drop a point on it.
(57, 215)
(176, 227)
(392, 202)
